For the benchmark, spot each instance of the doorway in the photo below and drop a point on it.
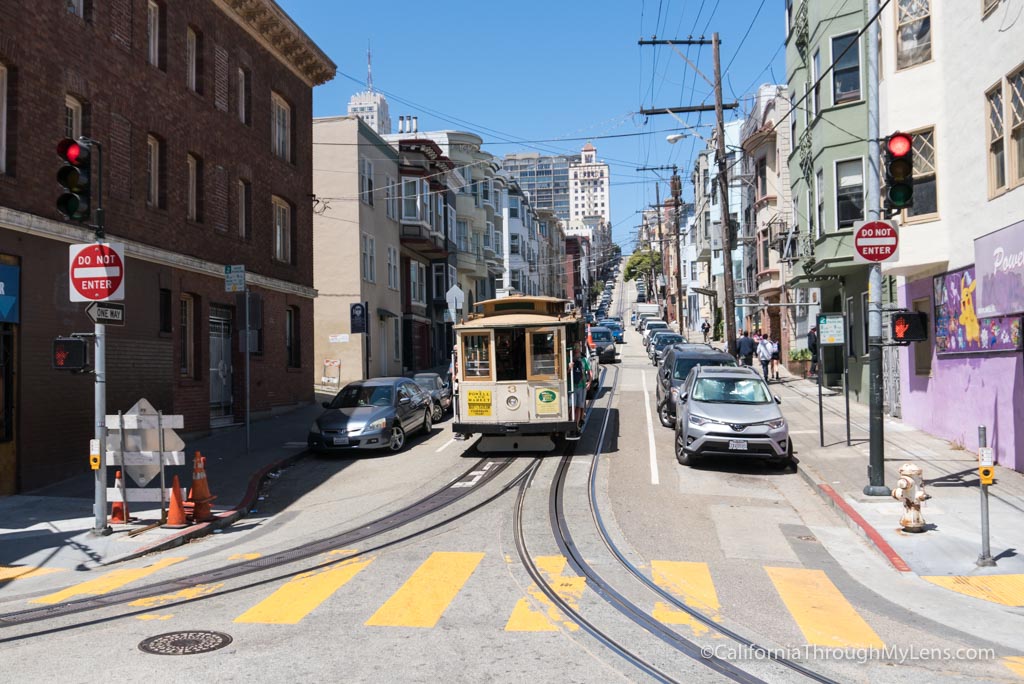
(8, 394)
(221, 399)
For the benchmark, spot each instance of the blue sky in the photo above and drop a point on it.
(530, 70)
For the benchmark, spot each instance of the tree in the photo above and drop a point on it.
(641, 264)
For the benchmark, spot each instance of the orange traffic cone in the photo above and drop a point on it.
(176, 513)
(201, 496)
(119, 509)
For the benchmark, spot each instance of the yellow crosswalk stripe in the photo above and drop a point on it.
(301, 595)
(1007, 590)
(108, 582)
(186, 594)
(422, 600)
(13, 572)
(823, 614)
(692, 583)
(244, 556)
(526, 618)
(1015, 665)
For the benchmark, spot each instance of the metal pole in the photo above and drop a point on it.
(124, 471)
(100, 374)
(248, 344)
(163, 481)
(846, 386)
(677, 190)
(723, 184)
(821, 409)
(985, 560)
(876, 465)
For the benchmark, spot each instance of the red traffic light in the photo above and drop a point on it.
(899, 144)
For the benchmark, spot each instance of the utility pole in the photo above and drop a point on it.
(876, 425)
(723, 184)
(677, 259)
(659, 208)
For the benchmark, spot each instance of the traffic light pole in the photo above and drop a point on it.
(100, 371)
(876, 425)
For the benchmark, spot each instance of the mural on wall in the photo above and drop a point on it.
(957, 326)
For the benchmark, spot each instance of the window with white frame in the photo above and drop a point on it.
(439, 273)
(244, 200)
(815, 99)
(3, 119)
(390, 198)
(410, 199)
(450, 212)
(193, 43)
(513, 207)
(281, 127)
(437, 225)
(462, 235)
(926, 202)
(153, 163)
(426, 209)
(366, 180)
(153, 33)
(1005, 104)
(467, 174)
(913, 32)
(393, 268)
(996, 139)
(417, 283)
(513, 244)
(849, 192)
(369, 252)
(452, 277)
(242, 95)
(72, 117)
(1015, 87)
(845, 69)
(819, 206)
(282, 230)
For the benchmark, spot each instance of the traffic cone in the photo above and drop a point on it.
(119, 509)
(200, 496)
(176, 513)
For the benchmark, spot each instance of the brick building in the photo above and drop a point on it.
(204, 113)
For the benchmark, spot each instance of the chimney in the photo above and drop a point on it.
(401, 124)
(415, 124)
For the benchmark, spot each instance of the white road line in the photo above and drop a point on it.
(444, 446)
(650, 432)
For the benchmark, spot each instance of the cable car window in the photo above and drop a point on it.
(510, 354)
(543, 355)
(476, 355)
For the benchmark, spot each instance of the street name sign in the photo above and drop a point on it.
(875, 242)
(107, 313)
(96, 272)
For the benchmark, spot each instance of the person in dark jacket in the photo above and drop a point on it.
(812, 346)
(745, 348)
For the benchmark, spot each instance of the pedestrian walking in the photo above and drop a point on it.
(775, 356)
(580, 372)
(705, 328)
(745, 349)
(764, 355)
(812, 346)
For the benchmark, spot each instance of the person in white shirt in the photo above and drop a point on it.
(775, 356)
(764, 355)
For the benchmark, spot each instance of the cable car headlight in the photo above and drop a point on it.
(512, 401)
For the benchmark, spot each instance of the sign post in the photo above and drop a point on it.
(832, 333)
(358, 320)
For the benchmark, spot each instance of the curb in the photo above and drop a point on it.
(854, 519)
(223, 519)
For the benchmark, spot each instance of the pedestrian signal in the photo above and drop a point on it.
(910, 326)
(69, 353)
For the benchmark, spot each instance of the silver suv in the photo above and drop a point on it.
(726, 411)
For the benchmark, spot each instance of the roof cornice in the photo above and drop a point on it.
(275, 30)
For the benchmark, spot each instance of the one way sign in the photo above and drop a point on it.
(106, 313)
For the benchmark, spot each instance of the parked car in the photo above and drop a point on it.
(439, 390)
(650, 327)
(615, 327)
(604, 343)
(371, 414)
(730, 411)
(660, 342)
(676, 364)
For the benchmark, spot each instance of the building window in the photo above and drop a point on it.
(693, 271)
(996, 140)
(815, 100)
(366, 180)
(913, 33)
(195, 188)
(462, 235)
(417, 283)
(194, 60)
(281, 127)
(291, 337)
(819, 194)
(154, 34)
(762, 178)
(72, 118)
(3, 119)
(849, 192)
(390, 198)
(1016, 85)
(426, 209)
(765, 260)
(513, 247)
(165, 311)
(244, 88)
(513, 207)
(369, 252)
(282, 230)
(244, 190)
(186, 335)
(393, 268)
(154, 168)
(926, 201)
(410, 198)
(846, 69)
(439, 288)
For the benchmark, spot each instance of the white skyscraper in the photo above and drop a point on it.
(588, 187)
(371, 106)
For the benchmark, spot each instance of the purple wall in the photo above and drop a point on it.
(965, 391)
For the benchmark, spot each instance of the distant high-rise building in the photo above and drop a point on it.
(369, 105)
(588, 187)
(545, 178)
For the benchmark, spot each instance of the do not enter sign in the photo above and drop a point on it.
(96, 272)
(875, 241)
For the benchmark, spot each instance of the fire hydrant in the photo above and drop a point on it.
(910, 490)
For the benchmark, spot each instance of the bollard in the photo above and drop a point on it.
(985, 560)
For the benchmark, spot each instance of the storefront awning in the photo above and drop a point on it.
(704, 291)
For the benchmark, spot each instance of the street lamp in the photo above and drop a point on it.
(673, 138)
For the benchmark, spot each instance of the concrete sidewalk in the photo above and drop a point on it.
(946, 552)
(52, 527)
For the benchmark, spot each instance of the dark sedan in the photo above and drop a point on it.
(371, 414)
(439, 390)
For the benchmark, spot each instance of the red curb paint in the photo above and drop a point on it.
(883, 546)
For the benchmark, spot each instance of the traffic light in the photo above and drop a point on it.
(73, 177)
(69, 353)
(899, 171)
(910, 326)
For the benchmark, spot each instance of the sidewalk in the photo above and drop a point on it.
(946, 552)
(52, 527)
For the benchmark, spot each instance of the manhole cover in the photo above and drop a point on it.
(184, 643)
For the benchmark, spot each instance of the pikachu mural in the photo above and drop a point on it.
(957, 326)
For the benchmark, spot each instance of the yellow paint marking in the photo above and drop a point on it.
(342, 552)
(13, 572)
(301, 595)
(1007, 590)
(244, 556)
(153, 616)
(422, 600)
(526, 618)
(692, 583)
(1015, 664)
(108, 582)
(823, 614)
(183, 595)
